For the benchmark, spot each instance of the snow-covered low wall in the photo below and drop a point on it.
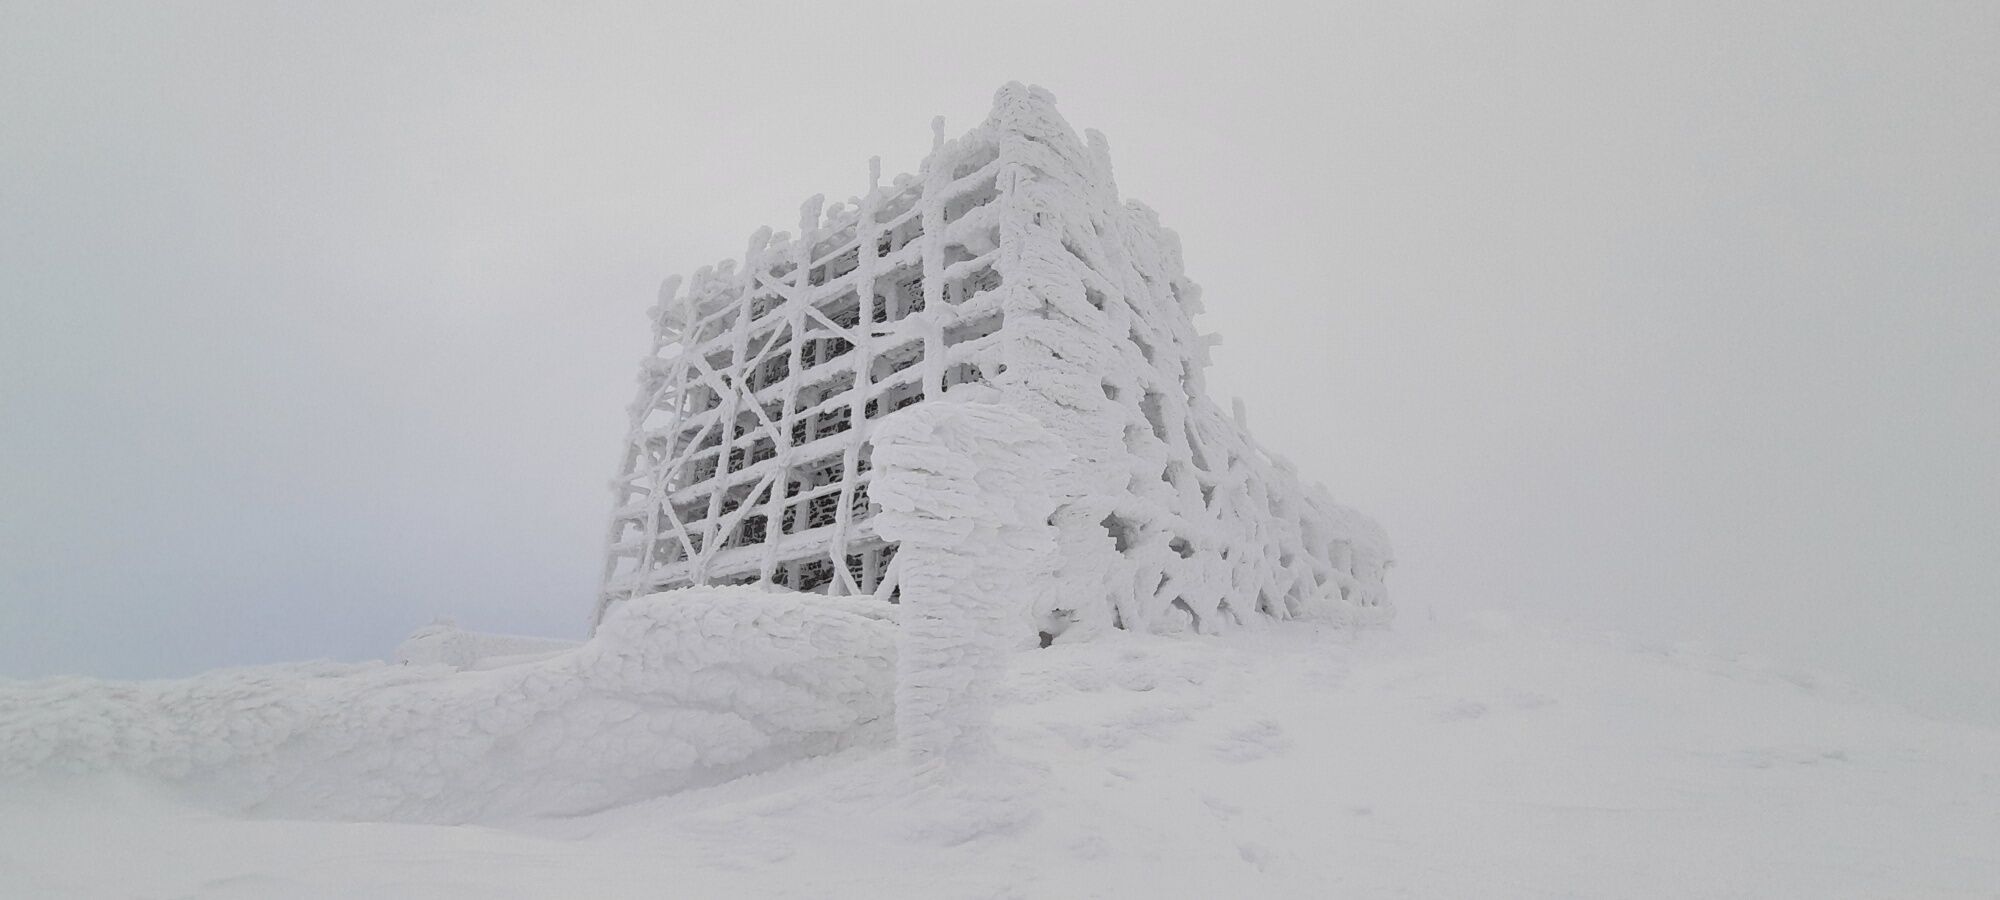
(675, 690)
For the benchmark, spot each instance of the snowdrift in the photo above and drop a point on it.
(1486, 758)
(675, 690)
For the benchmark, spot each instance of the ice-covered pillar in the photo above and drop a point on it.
(966, 485)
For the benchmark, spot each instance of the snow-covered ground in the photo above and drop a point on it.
(1479, 758)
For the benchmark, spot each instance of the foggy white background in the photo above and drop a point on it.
(317, 322)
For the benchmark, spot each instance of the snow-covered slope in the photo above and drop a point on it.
(1477, 759)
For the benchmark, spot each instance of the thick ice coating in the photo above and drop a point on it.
(966, 486)
(1008, 261)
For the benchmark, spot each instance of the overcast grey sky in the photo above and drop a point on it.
(318, 321)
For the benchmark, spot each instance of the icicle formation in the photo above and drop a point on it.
(1008, 261)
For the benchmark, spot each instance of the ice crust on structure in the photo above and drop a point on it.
(674, 691)
(966, 486)
(1010, 261)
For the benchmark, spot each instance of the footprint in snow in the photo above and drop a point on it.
(1531, 700)
(1462, 711)
(1222, 809)
(1252, 742)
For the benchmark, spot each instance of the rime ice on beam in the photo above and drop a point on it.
(1008, 261)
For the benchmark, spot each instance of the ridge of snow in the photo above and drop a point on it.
(447, 644)
(674, 690)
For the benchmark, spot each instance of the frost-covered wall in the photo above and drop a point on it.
(1009, 261)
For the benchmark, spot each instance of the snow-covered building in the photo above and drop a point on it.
(1009, 261)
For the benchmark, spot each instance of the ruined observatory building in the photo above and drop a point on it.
(1007, 262)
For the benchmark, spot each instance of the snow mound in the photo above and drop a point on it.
(676, 690)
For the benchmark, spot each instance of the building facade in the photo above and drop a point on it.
(1008, 260)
